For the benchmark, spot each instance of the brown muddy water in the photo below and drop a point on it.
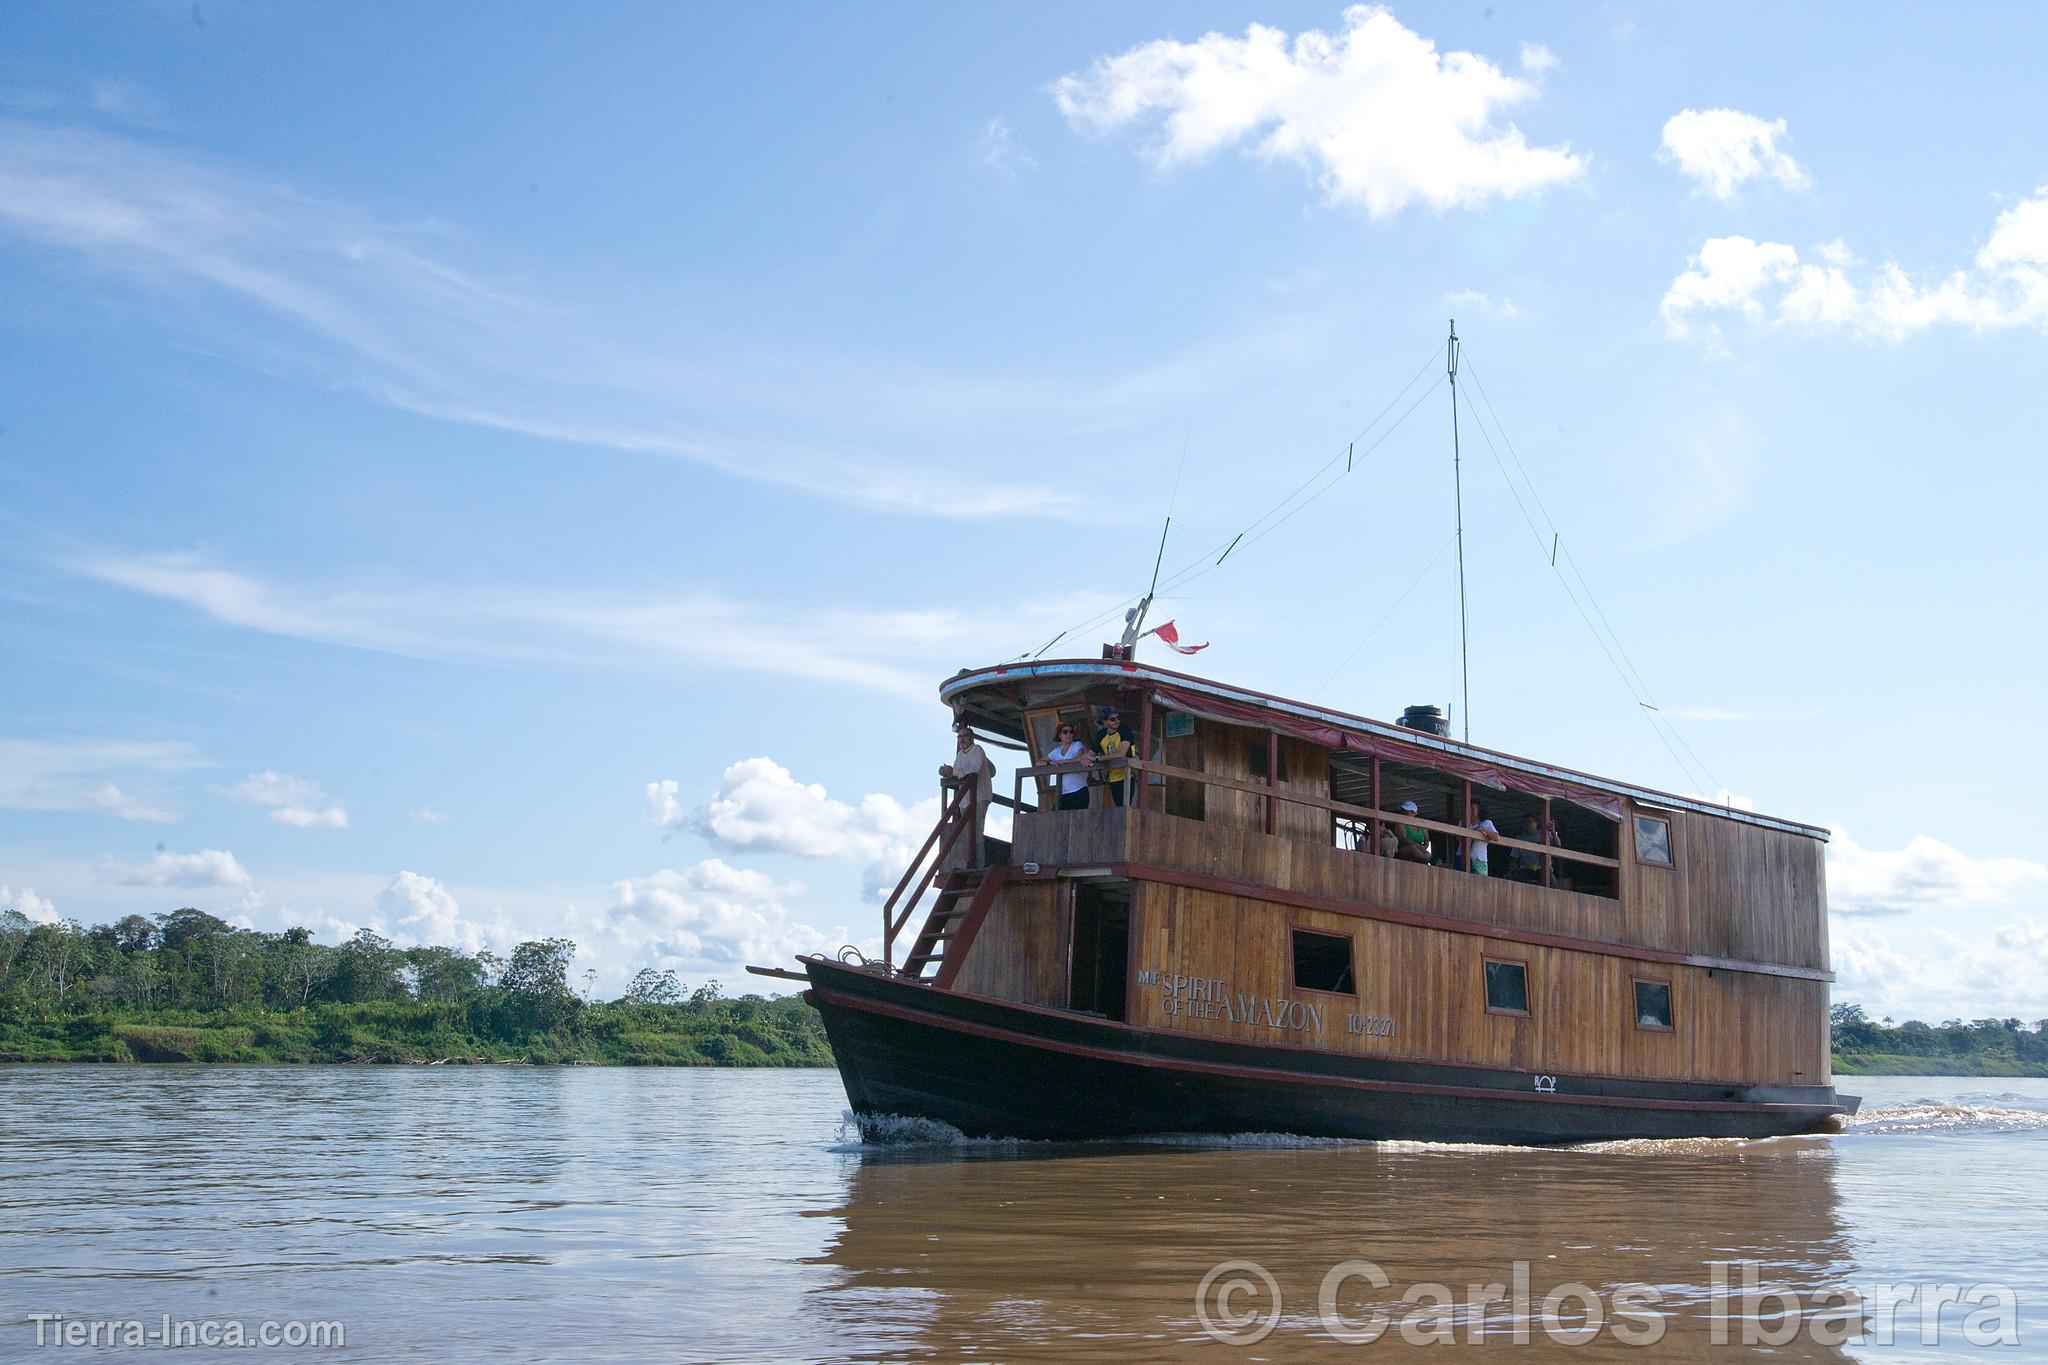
(513, 1214)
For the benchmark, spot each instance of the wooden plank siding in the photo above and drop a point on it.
(1021, 951)
(1731, 1026)
(1684, 909)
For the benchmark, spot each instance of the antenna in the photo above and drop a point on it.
(1458, 481)
(1134, 620)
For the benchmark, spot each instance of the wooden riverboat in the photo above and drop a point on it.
(1232, 950)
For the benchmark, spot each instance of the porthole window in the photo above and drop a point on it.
(1653, 841)
(1653, 1004)
(1322, 962)
(1507, 987)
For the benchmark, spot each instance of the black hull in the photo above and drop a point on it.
(993, 1069)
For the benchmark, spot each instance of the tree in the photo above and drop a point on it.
(1845, 1013)
(650, 987)
(135, 934)
(366, 968)
(443, 974)
(536, 982)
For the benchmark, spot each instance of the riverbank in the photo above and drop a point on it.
(1900, 1064)
(750, 1031)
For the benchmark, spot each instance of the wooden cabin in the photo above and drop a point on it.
(1244, 892)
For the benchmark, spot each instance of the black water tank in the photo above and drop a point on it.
(1428, 719)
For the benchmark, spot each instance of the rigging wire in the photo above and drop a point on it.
(1617, 655)
(1213, 557)
(1413, 584)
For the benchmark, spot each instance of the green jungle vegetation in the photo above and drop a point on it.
(188, 987)
(1984, 1047)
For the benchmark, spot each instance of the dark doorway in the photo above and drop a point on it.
(1099, 975)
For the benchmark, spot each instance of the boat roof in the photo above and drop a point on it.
(1130, 674)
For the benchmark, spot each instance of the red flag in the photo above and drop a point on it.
(1170, 637)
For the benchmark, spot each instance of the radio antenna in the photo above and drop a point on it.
(1458, 482)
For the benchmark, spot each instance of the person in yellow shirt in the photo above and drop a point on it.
(1112, 742)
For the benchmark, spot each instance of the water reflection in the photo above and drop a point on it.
(1097, 1252)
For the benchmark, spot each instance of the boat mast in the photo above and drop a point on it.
(1458, 481)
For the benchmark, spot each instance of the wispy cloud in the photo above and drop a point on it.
(1926, 874)
(1001, 151)
(1771, 284)
(1375, 112)
(420, 316)
(209, 867)
(1500, 309)
(76, 774)
(898, 652)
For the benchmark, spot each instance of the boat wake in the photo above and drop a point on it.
(1971, 1114)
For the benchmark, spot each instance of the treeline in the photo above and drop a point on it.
(1981, 1047)
(188, 986)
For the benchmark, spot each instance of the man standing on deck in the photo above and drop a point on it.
(1111, 742)
(971, 764)
(1480, 847)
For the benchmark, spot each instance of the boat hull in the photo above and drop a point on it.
(991, 1068)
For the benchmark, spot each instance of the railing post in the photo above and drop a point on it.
(1273, 781)
(1545, 874)
(1465, 823)
(1145, 747)
(1372, 825)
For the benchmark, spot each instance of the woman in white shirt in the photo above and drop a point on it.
(1072, 754)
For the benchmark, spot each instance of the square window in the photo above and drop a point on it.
(1507, 987)
(1653, 841)
(1653, 1004)
(1322, 962)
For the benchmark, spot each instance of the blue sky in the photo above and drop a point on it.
(486, 473)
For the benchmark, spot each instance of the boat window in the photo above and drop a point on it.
(1653, 841)
(1099, 952)
(1322, 962)
(1653, 1004)
(1507, 987)
(1255, 750)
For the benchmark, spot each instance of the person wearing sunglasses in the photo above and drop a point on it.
(1070, 755)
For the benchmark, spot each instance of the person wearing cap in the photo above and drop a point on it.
(971, 763)
(1413, 842)
(1112, 742)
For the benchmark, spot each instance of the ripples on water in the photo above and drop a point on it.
(527, 1215)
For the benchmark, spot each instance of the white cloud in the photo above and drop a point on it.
(291, 800)
(1502, 309)
(39, 909)
(70, 774)
(712, 915)
(1926, 874)
(427, 815)
(1375, 112)
(1001, 151)
(1769, 284)
(760, 807)
(1722, 150)
(1537, 57)
(2000, 975)
(420, 910)
(894, 652)
(114, 801)
(209, 867)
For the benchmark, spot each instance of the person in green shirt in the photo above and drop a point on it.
(1412, 841)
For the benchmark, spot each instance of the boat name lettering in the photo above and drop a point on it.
(1199, 997)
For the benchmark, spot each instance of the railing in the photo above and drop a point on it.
(1272, 792)
(957, 816)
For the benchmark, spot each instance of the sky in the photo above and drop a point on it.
(481, 473)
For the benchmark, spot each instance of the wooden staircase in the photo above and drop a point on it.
(965, 895)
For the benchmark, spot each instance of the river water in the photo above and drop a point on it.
(515, 1214)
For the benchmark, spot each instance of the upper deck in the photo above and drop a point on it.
(1261, 796)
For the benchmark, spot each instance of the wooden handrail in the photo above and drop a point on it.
(1397, 817)
(957, 815)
